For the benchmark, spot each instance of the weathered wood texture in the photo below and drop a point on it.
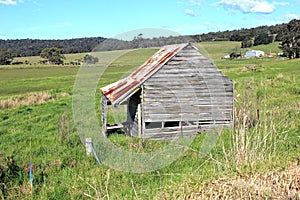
(187, 95)
(104, 115)
(133, 114)
(188, 88)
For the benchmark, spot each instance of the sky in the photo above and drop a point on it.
(66, 19)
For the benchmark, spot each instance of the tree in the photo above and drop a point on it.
(89, 59)
(235, 53)
(53, 55)
(248, 42)
(263, 38)
(291, 42)
(5, 57)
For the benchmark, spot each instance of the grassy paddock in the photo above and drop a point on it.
(265, 138)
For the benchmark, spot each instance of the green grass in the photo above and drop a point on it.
(45, 134)
(22, 81)
(19, 80)
(218, 49)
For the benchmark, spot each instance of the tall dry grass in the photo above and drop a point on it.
(271, 185)
(32, 98)
(256, 137)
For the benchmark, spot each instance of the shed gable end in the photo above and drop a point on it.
(187, 91)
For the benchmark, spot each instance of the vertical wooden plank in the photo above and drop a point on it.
(139, 121)
(142, 111)
(127, 127)
(104, 115)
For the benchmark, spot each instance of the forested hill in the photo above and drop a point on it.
(252, 36)
(32, 47)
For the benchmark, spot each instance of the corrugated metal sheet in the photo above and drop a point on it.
(119, 91)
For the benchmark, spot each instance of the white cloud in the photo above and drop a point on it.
(8, 2)
(190, 12)
(291, 16)
(196, 2)
(248, 6)
(180, 2)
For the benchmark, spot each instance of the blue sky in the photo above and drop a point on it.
(66, 19)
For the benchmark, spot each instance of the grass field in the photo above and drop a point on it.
(45, 135)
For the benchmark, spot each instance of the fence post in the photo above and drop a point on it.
(88, 142)
(90, 149)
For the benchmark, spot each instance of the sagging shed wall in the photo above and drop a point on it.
(187, 94)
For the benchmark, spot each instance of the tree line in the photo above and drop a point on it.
(33, 47)
(288, 34)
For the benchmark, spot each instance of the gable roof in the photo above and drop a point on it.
(118, 92)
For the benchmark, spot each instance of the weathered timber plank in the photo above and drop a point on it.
(139, 115)
(202, 113)
(186, 109)
(188, 105)
(185, 83)
(196, 104)
(190, 53)
(188, 50)
(220, 114)
(190, 79)
(215, 115)
(178, 82)
(194, 62)
(179, 74)
(182, 117)
(187, 90)
(189, 64)
(174, 134)
(206, 98)
(170, 135)
(167, 129)
(113, 127)
(189, 68)
(195, 97)
(215, 98)
(192, 93)
(213, 122)
(189, 59)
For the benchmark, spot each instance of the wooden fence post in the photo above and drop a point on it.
(88, 142)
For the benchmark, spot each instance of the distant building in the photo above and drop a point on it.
(254, 53)
(227, 56)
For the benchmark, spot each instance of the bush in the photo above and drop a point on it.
(89, 59)
(11, 175)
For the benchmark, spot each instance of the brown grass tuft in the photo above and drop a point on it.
(280, 75)
(272, 185)
(32, 98)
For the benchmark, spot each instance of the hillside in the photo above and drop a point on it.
(33, 47)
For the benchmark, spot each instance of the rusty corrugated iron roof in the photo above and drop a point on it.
(117, 92)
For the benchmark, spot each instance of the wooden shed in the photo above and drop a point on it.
(176, 92)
